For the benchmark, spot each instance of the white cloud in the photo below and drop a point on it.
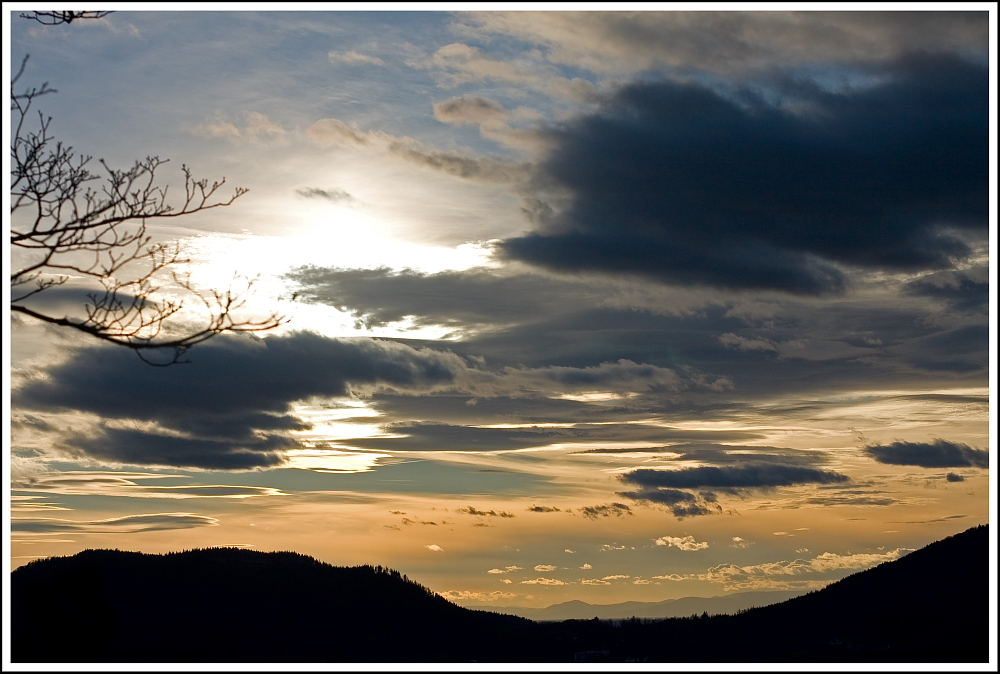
(354, 58)
(461, 63)
(477, 596)
(723, 42)
(586, 567)
(739, 542)
(546, 567)
(434, 548)
(672, 576)
(781, 575)
(615, 577)
(594, 581)
(258, 127)
(542, 581)
(687, 543)
(508, 569)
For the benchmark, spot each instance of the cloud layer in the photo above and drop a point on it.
(936, 454)
(693, 184)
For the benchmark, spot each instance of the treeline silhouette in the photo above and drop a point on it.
(237, 605)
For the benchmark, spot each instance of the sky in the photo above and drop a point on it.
(604, 306)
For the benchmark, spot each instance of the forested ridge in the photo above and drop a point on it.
(237, 605)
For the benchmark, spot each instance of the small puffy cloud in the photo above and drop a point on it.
(607, 547)
(470, 110)
(605, 510)
(673, 576)
(506, 581)
(739, 542)
(454, 595)
(334, 195)
(546, 567)
(640, 581)
(615, 577)
(687, 543)
(542, 581)
(258, 127)
(543, 509)
(786, 574)
(354, 58)
(434, 548)
(586, 567)
(594, 581)
(507, 569)
(936, 454)
(954, 477)
(472, 510)
(331, 131)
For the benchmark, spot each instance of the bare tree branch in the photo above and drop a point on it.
(56, 18)
(93, 225)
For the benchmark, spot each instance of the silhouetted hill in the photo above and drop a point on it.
(230, 605)
(929, 606)
(668, 608)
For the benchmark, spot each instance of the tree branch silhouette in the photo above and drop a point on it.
(56, 18)
(72, 229)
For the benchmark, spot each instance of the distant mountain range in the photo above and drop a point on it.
(233, 605)
(669, 608)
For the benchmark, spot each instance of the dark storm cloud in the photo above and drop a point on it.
(232, 405)
(936, 454)
(690, 185)
(963, 291)
(963, 349)
(136, 447)
(732, 479)
(954, 477)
